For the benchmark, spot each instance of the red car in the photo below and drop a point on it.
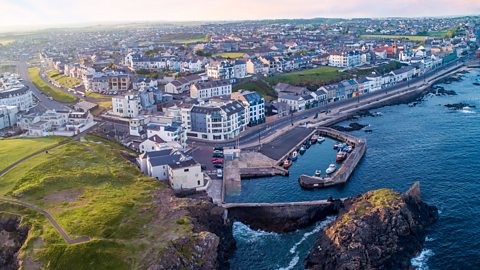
(217, 160)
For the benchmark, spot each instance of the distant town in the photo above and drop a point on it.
(159, 89)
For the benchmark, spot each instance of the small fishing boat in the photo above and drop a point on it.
(331, 169)
(286, 164)
(314, 139)
(321, 139)
(337, 145)
(294, 156)
(341, 156)
(318, 173)
(348, 149)
(302, 150)
(307, 144)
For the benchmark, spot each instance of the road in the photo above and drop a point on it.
(44, 103)
(256, 134)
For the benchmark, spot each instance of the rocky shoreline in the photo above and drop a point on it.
(380, 229)
(12, 237)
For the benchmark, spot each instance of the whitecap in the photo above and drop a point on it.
(466, 110)
(244, 232)
(420, 262)
(292, 263)
(316, 229)
(429, 239)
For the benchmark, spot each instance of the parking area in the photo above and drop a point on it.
(203, 155)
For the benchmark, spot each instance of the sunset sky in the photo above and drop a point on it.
(55, 12)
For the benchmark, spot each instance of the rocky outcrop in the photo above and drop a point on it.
(351, 127)
(12, 237)
(458, 106)
(380, 229)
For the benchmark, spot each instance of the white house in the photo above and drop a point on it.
(155, 163)
(209, 89)
(295, 103)
(186, 174)
(127, 106)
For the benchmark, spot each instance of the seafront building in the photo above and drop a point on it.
(14, 93)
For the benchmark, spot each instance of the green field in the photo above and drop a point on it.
(413, 38)
(98, 96)
(61, 79)
(230, 54)
(260, 87)
(92, 190)
(6, 41)
(55, 93)
(185, 38)
(8, 67)
(311, 77)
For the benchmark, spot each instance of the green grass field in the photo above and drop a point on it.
(260, 87)
(230, 54)
(311, 77)
(185, 38)
(61, 79)
(55, 93)
(92, 190)
(12, 150)
(413, 38)
(98, 96)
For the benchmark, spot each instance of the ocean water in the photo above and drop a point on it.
(427, 143)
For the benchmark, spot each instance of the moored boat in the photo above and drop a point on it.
(321, 139)
(294, 156)
(348, 149)
(318, 173)
(302, 150)
(337, 145)
(287, 163)
(341, 156)
(314, 139)
(331, 168)
(307, 144)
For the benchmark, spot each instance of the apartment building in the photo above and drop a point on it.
(209, 89)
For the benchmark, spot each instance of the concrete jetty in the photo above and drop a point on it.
(346, 169)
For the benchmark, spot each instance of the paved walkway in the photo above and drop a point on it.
(51, 219)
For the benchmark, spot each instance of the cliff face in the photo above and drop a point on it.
(12, 237)
(380, 229)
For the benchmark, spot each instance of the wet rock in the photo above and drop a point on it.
(458, 106)
(440, 91)
(351, 127)
(12, 237)
(380, 229)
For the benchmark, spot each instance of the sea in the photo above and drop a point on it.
(422, 141)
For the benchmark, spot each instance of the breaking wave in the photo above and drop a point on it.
(420, 262)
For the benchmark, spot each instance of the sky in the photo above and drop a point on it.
(35, 13)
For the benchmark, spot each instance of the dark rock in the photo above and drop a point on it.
(351, 127)
(12, 237)
(440, 91)
(458, 106)
(380, 229)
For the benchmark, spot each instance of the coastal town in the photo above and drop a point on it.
(202, 107)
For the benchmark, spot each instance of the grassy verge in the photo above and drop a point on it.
(413, 38)
(61, 79)
(98, 96)
(91, 190)
(55, 93)
(311, 77)
(230, 54)
(102, 106)
(260, 87)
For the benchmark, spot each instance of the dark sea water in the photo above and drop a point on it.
(427, 143)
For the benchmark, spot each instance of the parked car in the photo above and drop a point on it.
(217, 160)
(219, 173)
(218, 148)
(217, 155)
(218, 166)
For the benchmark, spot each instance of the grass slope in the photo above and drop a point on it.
(61, 79)
(55, 93)
(311, 77)
(260, 87)
(91, 190)
(230, 54)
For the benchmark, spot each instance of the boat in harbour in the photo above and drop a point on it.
(307, 144)
(314, 139)
(287, 163)
(331, 168)
(318, 173)
(337, 145)
(294, 156)
(341, 156)
(321, 139)
(302, 150)
(348, 149)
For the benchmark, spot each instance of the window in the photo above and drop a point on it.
(186, 170)
(198, 182)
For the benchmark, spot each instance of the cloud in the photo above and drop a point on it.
(48, 12)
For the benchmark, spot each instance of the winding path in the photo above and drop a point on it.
(51, 219)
